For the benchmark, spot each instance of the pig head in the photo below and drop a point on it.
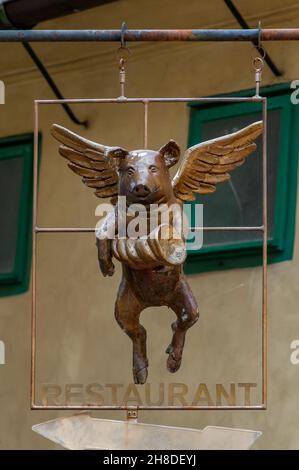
(144, 175)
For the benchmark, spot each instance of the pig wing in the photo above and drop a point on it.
(210, 162)
(96, 163)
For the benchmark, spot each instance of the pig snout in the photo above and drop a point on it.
(141, 190)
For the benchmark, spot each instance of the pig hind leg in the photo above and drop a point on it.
(127, 312)
(185, 307)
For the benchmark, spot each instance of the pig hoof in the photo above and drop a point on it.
(173, 364)
(107, 269)
(140, 375)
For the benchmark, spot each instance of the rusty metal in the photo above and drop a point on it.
(288, 34)
(263, 227)
(141, 35)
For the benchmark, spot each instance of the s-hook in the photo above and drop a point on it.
(123, 54)
(258, 63)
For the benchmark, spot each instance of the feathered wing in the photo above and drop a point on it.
(96, 163)
(210, 162)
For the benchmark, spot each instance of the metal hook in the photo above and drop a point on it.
(258, 45)
(258, 62)
(123, 29)
(259, 26)
(123, 52)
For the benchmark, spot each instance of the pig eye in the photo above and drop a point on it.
(153, 169)
(130, 171)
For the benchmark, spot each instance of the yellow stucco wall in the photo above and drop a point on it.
(79, 341)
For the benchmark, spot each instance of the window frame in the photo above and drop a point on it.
(17, 280)
(280, 246)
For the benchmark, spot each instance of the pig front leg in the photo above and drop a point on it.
(105, 233)
(105, 257)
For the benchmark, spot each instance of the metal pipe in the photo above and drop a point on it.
(259, 228)
(145, 135)
(34, 256)
(123, 100)
(150, 407)
(140, 35)
(265, 262)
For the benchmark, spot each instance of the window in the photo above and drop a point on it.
(239, 201)
(16, 160)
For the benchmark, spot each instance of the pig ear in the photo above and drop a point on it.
(171, 153)
(115, 156)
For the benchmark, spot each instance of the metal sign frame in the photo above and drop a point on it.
(36, 230)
